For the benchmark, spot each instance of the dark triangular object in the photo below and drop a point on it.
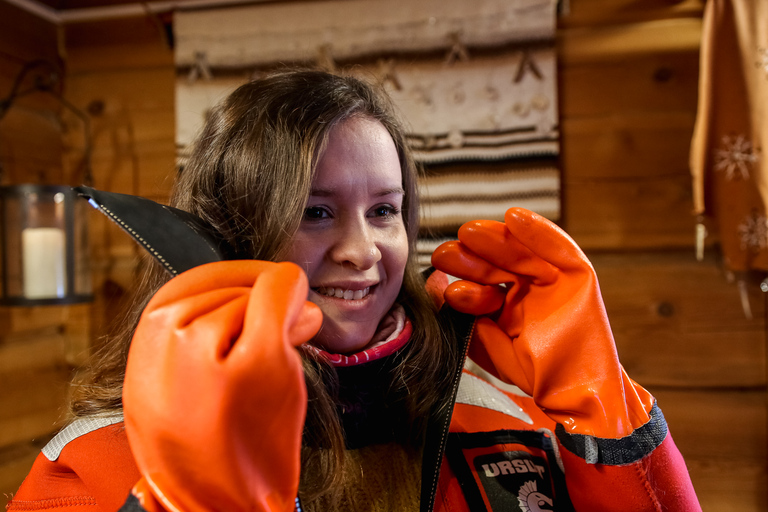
(177, 239)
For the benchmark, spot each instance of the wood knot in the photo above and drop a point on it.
(662, 74)
(665, 309)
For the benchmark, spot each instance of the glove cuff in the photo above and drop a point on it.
(616, 452)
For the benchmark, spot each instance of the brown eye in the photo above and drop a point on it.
(315, 213)
(385, 211)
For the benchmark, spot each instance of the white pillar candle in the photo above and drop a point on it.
(44, 263)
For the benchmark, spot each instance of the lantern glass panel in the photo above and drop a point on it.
(44, 246)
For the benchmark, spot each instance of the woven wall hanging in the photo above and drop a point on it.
(475, 81)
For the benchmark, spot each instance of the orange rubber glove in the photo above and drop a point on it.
(542, 324)
(214, 395)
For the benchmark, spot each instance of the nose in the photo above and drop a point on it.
(356, 244)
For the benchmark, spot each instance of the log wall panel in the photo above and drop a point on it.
(32, 403)
(628, 85)
(630, 214)
(37, 345)
(679, 323)
(128, 91)
(146, 169)
(30, 145)
(722, 436)
(619, 42)
(626, 130)
(134, 129)
(595, 13)
(628, 146)
(30, 139)
(130, 87)
(117, 44)
(25, 37)
(653, 82)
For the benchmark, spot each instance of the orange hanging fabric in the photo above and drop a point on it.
(730, 171)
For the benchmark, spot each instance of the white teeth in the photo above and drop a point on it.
(340, 293)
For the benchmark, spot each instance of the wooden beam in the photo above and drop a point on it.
(620, 42)
(613, 12)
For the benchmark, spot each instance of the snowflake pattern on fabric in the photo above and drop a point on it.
(762, 60)
(753, 232)
(736, 157)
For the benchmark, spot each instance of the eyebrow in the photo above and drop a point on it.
(324, 192)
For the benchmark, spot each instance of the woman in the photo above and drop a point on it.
(336, 374)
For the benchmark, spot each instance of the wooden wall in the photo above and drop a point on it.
(628, 83)
(36, 345)
(122, 74)
(30, 137)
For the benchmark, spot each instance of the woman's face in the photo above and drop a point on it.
(352, 240)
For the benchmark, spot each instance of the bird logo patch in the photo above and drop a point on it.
(514, 471)
(531, 500)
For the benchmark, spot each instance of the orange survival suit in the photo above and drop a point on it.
(543, 417)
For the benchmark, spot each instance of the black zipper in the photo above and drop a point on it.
(440, 418)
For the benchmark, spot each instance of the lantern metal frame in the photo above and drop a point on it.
(76, 287)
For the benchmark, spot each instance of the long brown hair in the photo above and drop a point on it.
(249, 176)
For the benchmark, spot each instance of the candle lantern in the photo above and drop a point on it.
(43, 246)
(44, 251)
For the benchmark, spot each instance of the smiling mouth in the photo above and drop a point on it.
(341, 293)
